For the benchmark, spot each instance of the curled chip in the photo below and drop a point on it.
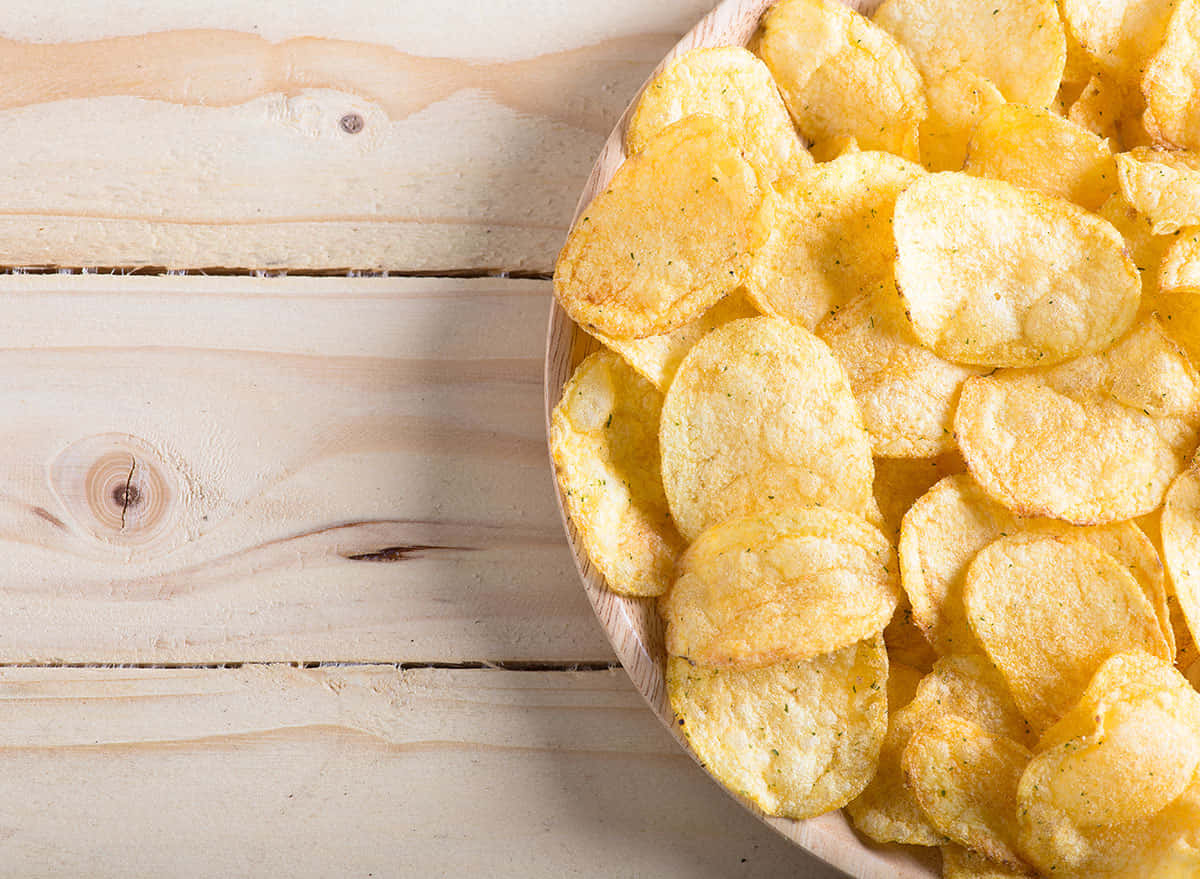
(797, 738)
(996, 275)
(962, 863)
(1118, 35)
(842, 75)
(1037, 149)
(965, 781)
(604, 441)
(731, 84)
(906, 392)
(760, 417)
(1180, 268)
(955, 520)
(1019, 45)
(827, 236)
(1049, 609)
(1181, 546)
(778, 587)
(1095, 440)
(900, 481)
(1099, 108)
(1112, 790)
(1172, 81)
(657, 358)
(1163, 185)
(957, 101)
(633, 265)
(1146, 248)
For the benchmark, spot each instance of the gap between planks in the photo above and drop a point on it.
(485, 664)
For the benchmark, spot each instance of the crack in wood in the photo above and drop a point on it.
(243, 272)
(401, 553)
(474, 665)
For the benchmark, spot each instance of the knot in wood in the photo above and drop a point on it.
(352, 123)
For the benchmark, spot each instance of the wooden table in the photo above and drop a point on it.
(283, 585)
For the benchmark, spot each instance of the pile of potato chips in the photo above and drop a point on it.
(900, 431)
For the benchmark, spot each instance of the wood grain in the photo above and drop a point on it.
(307, 135)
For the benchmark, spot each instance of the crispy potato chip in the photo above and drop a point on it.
(1099, 108)
(962, 863)
(842, 75)
(1095, 440)
(1079, 68)
(957, 101)
(760, 417)
(731, 84)
(657, 358)
(1144, 246)
(1180, 268)
(1036, 149)
(906, 392)
(1118, 35)
(995, 275)
(778, 587)
(832, 147)
(1164, 186)
(1019, 45)
(1049, 610)
(1172, 81)
(965, 781)
(1179, 313)
(633, 265)
(604, 441)
(827, 236)
(1181, 546)
(798, 738)
(900, 481)
(1112, 790)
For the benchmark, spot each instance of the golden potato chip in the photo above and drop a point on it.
(1049, 609)
(842, 75)
(957, 101)
(1181, 545)
(965, 781)
(760, 417)
(657, 358)
(1036, 149)
(604, 441)
(1019, 45)
(906, 392)
(1164, 186)
(1099, 108)
(1112, 790)
(1144, 246)
(1179, 313)
(995, 275)
(633, 264)
(1118, 35)
(1172, 81)
(1180, 269)
(962, 863)
(731, 84)
(826, 236)
(1079, 68)
(778, 587)
(900, 481)
(832, 147)
(798, 738)
(1095, 440)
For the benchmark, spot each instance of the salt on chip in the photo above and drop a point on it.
(798, 738)
(1019, 45)
(1037, 149)
(1171, 83)
(1095, 440)
(899, 482)
(1180, 269)
(778, 587)
(729, 83)
(957, 101)
(965, 780)
(1163, 185)
(604, 441)
(1118, 35)
(1099, 108)
(962, 863)
(995, 275)
(633, 264)
(842, 75)
(826, 236)
(1049, 610)
(760, 417)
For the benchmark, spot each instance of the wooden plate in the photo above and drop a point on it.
(631, 624)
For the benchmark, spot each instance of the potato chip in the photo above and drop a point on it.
(827, 236)
(778, 587)
(731, 84)
(633, 264)
(1179, 313)
(1118, 35)
(760, 417)
(962, 863)
(1095, 440)
(1180, 269)
(832, 147)
(657, 358)
(1036, 149)
(1019, 45)
(1079, 68)
(957, 101)
(798, 738)
(900, 481)
(842, 75)
(995, 275)
(965, 781)
(1099, 108)
(604, 441)
(1172, 81)
(1146, 248)
(1049, 609)
(1164, 186)
(1181, 545)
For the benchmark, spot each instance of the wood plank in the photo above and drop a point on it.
(315, 469)
(269, 771)
(307, 135)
